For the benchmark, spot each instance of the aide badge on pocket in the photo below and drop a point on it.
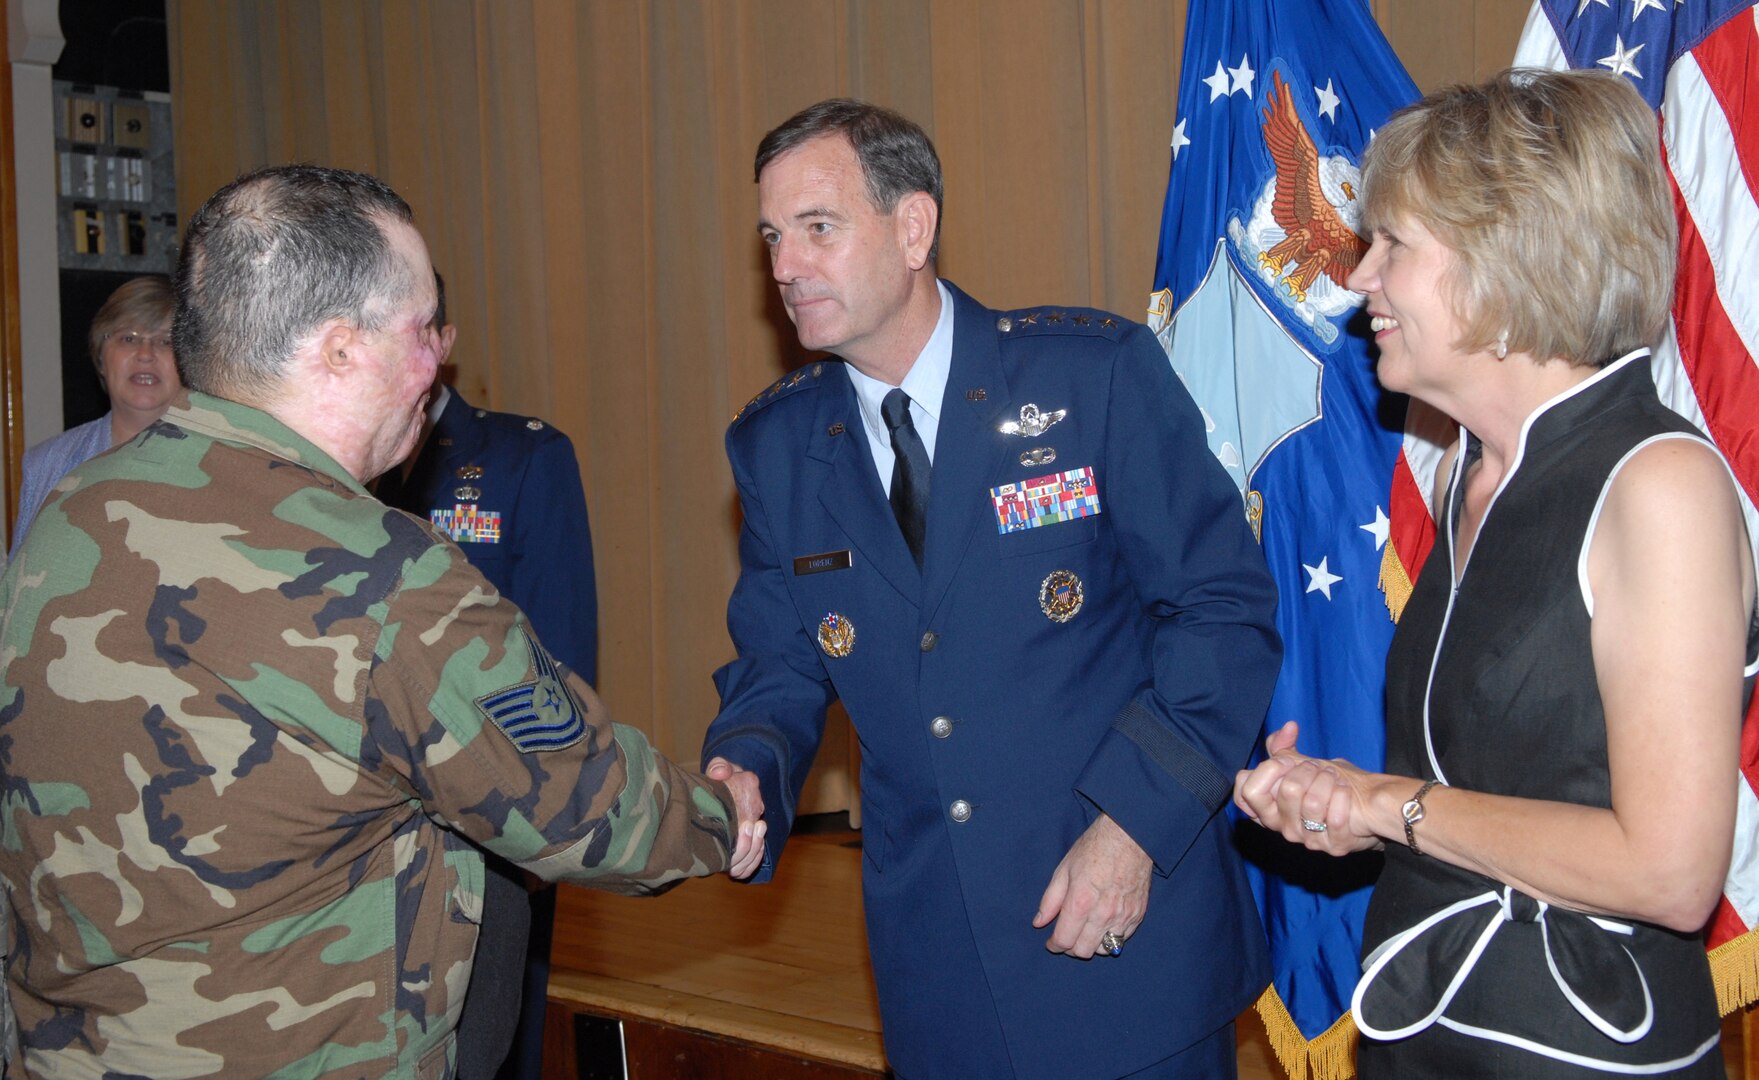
(1047, 500)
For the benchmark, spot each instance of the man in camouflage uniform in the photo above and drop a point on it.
(251, 718)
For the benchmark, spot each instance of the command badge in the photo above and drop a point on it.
(836, 635)
(1059, 596)
(1033, 422)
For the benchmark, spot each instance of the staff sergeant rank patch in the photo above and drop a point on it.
(542, 714)
(1047, 500)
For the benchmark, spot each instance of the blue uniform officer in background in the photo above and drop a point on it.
(1001, 540)
(507, 489)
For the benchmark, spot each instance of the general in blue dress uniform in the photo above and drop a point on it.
(507, 489)
(1055, 657)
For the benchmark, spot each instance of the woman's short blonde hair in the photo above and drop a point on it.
(143, 303)
(1549, 188)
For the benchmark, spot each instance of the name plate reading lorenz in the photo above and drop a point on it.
(818, 564)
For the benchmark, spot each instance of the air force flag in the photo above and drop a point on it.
(1258, 239)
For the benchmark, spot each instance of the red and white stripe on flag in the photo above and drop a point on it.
(1706, 369)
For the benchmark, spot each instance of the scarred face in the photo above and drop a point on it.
(402, 358)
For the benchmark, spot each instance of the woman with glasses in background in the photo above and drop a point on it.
(130, 343)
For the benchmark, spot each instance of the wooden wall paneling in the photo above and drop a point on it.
(892, 45)
(1139, 47)
(688, 399)
(299, 75)
(958, 121)
(1015, 152)
(437, 157)
(604, 322)
(568, 327)
(351, 61)
(1450, 41)
(1433, 37)
(262, 62)
(772, 66)
(1497, 33)
(1092, 91)
(11, 369)
(209, 97)
(514, 243)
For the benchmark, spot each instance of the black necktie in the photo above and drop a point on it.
(909, 471)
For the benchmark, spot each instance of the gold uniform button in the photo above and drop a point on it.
(941, 726)
(961, 810)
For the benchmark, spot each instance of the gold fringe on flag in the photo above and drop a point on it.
(1329, 1056)
(1393, 581)
(1734, 968)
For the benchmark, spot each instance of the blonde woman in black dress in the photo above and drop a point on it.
(1565, 690)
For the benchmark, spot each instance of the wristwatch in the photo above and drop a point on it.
(1412, 812)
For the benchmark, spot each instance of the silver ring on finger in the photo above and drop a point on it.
(1111, 944)
(1313, 826)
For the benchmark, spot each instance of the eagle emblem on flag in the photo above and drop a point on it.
(1316, 238)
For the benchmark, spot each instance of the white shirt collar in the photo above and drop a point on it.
(925, 383)
(437, 405)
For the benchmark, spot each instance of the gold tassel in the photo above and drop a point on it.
(1329, 1056)
(1734, 968)
(1393, 581)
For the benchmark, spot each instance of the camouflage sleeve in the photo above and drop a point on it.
(513, 750)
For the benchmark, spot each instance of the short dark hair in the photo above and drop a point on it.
(440, 321)
(272, 256)
(896, 156)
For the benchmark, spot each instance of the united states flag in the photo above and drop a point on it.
(1697, 64)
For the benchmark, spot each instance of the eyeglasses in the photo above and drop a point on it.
(132, 340)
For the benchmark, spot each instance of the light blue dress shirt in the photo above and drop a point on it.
(925, 383)
(48, 461)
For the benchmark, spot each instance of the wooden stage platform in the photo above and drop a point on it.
(726, 981)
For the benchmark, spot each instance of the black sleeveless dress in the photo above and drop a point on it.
(1491, 688)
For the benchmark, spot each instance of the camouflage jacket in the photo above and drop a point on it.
(248, 717)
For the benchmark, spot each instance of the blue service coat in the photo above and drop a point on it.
(507, 489)
(540, 557)
(1141, 704)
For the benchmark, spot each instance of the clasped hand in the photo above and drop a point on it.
(1288, 790)
(748, 804)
